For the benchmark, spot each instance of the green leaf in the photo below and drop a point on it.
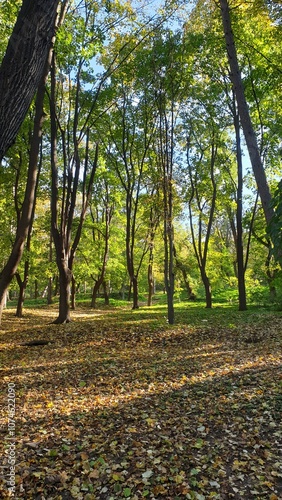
(199, 443)
(126, 492)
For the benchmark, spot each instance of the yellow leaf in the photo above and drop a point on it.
(116, 477)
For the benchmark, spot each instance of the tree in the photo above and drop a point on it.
(130, 137)
(77, 162)
(202, 196)
(25, 220)
(101, 216)
(243, 110)
(23, 65)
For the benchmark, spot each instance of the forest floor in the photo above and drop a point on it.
(119, 404)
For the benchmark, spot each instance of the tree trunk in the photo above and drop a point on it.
(23, 65)
(169, 272)
(207, 286)
(73, 293)
(271, 274)
(170, 305)
(65, 276)
(36, 289)
(239, 213)
(106, 293)
(95, 291)
(22, 288)
(29, 200)
(135, 304)
(150, 283)
(246, 122)
(49, 291)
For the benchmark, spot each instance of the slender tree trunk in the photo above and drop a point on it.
(239, 213)
(169, 271)
(50, 291)
(36, 289)
(271, 275)
(106, 293)
(50, 280)
(154, 222)
(246, 122)
(135, 304)
(22, 288)
(73, 293)
(101, 278)
(150, 282)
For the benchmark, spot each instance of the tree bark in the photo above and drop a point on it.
(25, 220)
(106, 293)
(73, 293)
(23, 65)
(95, 291)
(150, 283)
(22, 288)
(135, 304)
(239, 213)
(207, 286)
(65, 276)
(246, 122)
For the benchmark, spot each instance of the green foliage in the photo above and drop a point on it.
(117, 72)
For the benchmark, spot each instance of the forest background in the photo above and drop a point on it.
(142, 156)
(140, 148)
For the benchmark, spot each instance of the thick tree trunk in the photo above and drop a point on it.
(26, 215)
(207, 286)
(23, 65)
(246, 122)
(95, 291)
(65, 276)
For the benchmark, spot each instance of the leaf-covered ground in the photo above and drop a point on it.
(121, 405)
